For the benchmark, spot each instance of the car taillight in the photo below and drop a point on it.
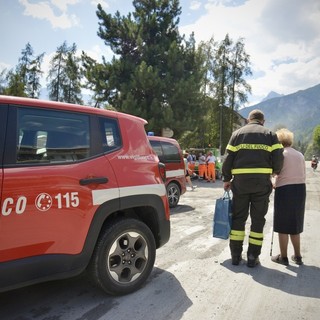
(162, 170)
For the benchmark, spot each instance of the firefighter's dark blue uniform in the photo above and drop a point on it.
(253, 155)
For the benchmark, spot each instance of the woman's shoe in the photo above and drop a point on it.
(297, 260)
(280, 260)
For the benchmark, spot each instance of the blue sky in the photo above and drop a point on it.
(282, 37)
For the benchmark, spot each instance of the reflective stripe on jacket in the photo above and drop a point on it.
(252, 149)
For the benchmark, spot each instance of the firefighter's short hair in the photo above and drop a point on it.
(256, 114)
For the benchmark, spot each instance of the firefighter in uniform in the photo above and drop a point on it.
(253, 155)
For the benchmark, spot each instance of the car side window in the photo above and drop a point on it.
(171, 152)
(48, 136)
(156, 146)
(111, 139)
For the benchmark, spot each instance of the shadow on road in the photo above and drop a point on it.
(301, 280)
(162, 297)
(181, 209)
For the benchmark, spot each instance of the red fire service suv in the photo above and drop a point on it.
(80, 189)
(169, 153)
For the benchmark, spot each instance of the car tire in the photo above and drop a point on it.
(173, 193)
(123, 257)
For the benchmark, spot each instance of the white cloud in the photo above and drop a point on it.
(63, 4)
(281, 37)
(45, 10)
(195, 5)
(291, 21)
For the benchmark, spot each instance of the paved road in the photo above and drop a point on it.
(193, 277)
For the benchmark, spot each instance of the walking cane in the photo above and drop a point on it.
(271, 242)
(272, 235)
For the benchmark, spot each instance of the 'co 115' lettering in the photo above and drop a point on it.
(43, 202)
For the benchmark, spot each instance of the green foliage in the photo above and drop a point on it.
(227, 65)
(24, 81)
(313, 147)
(15, 84)
(33, 85)
(301, 146)
(155, 72)
(3, 80)
(64, 76)
(316, 136)
(205, 133)
(311, 150)
(96, 75)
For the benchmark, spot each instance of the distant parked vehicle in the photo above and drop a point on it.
(170, 153)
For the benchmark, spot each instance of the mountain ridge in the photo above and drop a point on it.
(299, 112)
(271, 95)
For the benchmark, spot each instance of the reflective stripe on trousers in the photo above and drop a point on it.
(256, 238)
(237, 235)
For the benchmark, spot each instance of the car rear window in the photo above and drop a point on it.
(166, 151)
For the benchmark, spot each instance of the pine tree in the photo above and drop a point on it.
(24, 80)
(29, 68)
(155, 72)
(25, 61)
(72, 90)
(238, 88)
(227, 65)
(96, 74)
(222, 76)
(15, 84)
(64, 75)
(209, 125)
(33, 85)
(3, 81)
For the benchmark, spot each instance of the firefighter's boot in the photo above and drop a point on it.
(236, 251)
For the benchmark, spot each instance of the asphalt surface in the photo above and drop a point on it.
(193, 277)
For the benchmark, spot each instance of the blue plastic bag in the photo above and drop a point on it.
(222, 217)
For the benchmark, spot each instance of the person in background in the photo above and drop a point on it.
(202, 168)
(314, 162)
(211, 167)
(191, 163)
(253, 155)
(187, 173)
(289, 199)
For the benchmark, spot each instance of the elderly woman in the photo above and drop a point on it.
(289, 200)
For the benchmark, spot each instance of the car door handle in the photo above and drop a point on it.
(98, 180)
